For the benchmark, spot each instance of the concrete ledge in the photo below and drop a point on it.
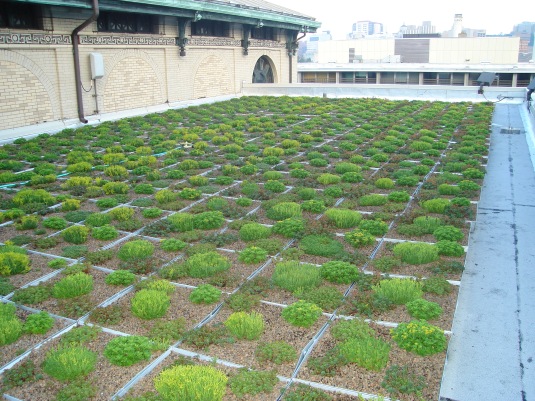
(395, 92)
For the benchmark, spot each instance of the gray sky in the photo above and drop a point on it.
(338, 15)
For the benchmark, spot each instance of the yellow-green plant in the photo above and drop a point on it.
(191, 383)
(246, 326)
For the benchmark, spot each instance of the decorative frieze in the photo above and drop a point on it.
(34, 39)
(127, 40)
(214, 42)
(266, 43)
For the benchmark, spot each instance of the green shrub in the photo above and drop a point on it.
(416, 253)
(375, 227)
(437, 205)
(368, 352)
(5, 286)
(293, 276)
(277, 352)
(398, 197)
(301, 314)
(73, 286)
(181, 222)
(345, 330)
(208, 220)
(333, 191)
(77, 391)
(27, 223)
(248, 326)
(13, 262)
(136, 250)
(469, 186)
(205, 294)
(274, 186)
(436, 285)
(427, 224)
(165, 196)
(74, 251)
(422, 309)
(120, 277)
(56, 223)
(152, 213)
(446, 189)
(313, 206)
(327, 298)
(32, 295)
(98, 219)
(419, 337)
(253, 254)
(122, 213)
(112, 188)
(75, 234)
(385, 264)
(401, 380)
(372, 200)
(321, 245)
(69, 362)
(10, 328)
(191, 383)
(449, 233)
(359, 238)
(345, 167)
(473, 174)
(252, 382)
(290, 228)
(244, 202)
(190, 194)
(128, 350)
(284, 210)
(339, 272)
(29, 196)
(202, 265)
(150, 304)
(105, 233)
(352, 177)
(38, 323)
(254, 231)
(343, 218)
(172, 245)
(329, 179)
(384, 183)
(449, 248)
(399, 290)
(70, 205)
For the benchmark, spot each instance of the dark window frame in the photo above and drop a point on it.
(21, 16)
(119, 22)
(263, 33)
(221, 29)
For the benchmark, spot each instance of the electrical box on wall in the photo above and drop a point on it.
(97, 65)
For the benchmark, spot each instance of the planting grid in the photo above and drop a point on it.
(239, 139)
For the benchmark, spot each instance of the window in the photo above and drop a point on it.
(20, 16)
(210, 28)
(127, 22)
(266, 33)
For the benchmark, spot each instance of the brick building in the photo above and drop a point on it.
(65, 59)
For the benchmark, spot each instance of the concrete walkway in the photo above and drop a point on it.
(492, 350)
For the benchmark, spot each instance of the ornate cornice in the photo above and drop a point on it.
(34, 39)
(211, 41)
(266, 43)
(133, 40)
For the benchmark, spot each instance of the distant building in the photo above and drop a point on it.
(424, 30)
(459, 31)
(363, 29)
(526, 32)
(488, 50)
(311, 52)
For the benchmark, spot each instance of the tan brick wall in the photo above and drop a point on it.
(135, 75)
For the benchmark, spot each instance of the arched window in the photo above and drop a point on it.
(263, 71)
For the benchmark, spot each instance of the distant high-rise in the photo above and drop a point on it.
(457, 27)
(362, 29)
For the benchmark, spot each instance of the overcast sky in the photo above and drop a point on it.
(338, 15)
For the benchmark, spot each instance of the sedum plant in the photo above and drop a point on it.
(301, 314)
(419, 337)
(150, 304)
(293, 276)
(205, 294)
(191, 383)
(416, 253)
(399, 290)
(245, 326)
(128, 350)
